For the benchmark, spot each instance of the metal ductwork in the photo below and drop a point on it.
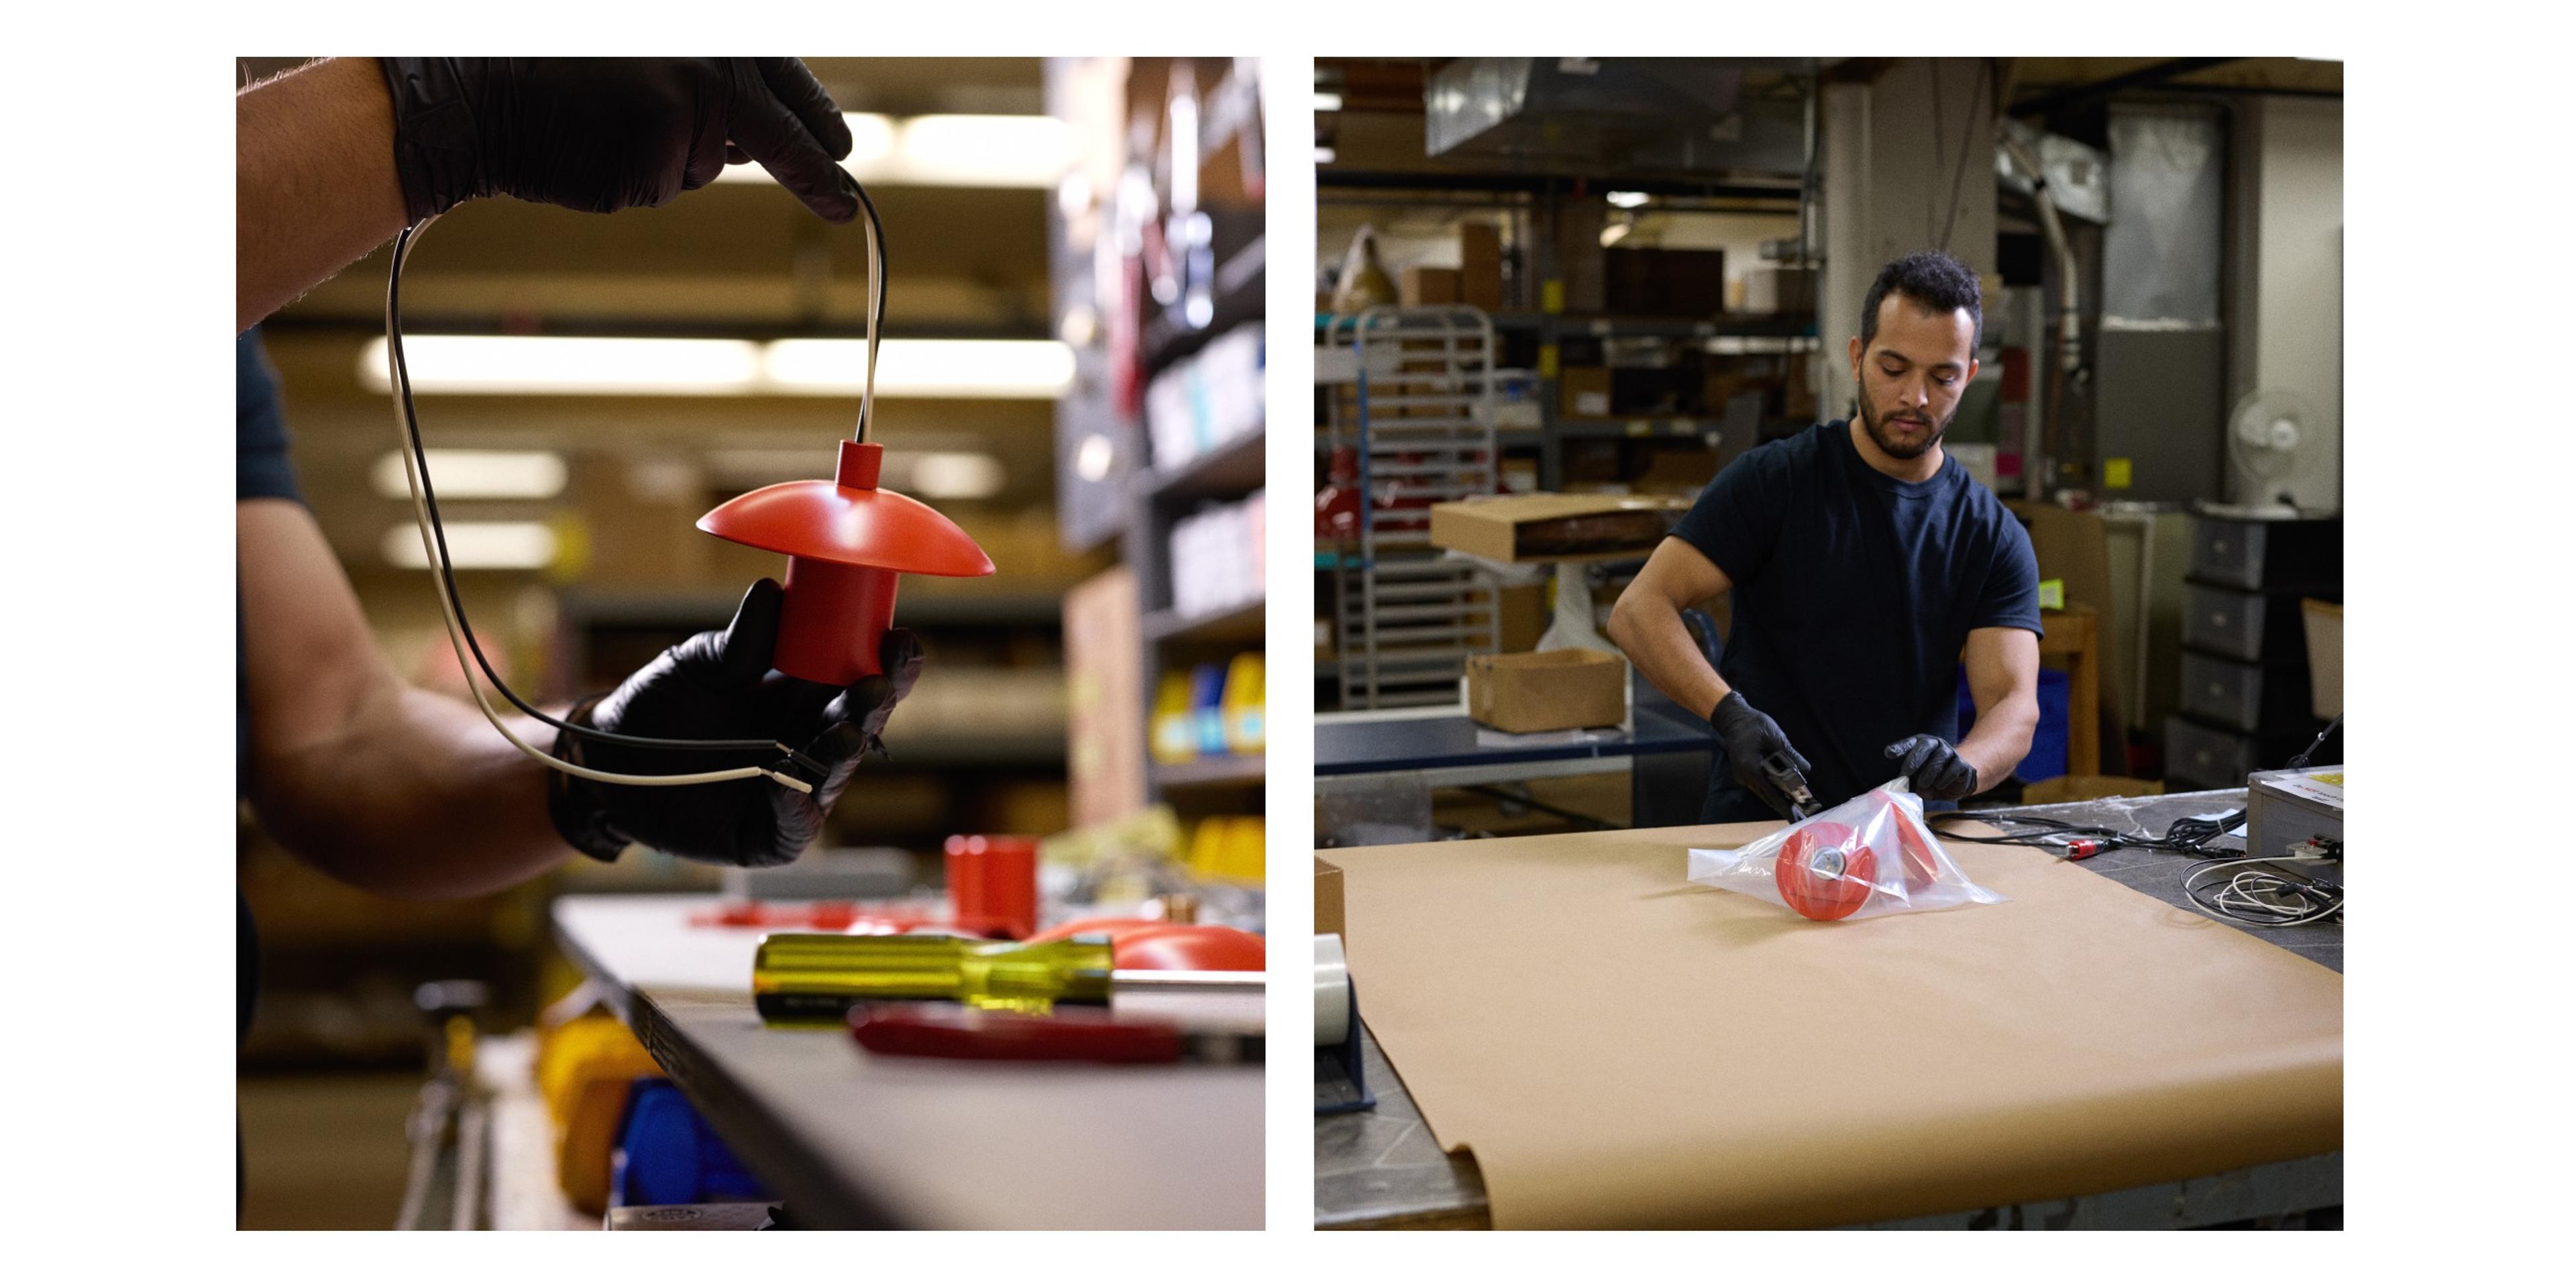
(1610, 115)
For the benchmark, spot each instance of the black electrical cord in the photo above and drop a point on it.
(401, 371)
(2191, 837)
(2300, 761)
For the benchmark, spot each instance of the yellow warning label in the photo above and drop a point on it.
(2115, 472)
(1551, 296)
(1547, 362)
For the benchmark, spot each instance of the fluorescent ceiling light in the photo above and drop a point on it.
(476, 476)
(536, 364)
(1611, 235)
(558, 364)
(952, 476)
(922, 368)
(1325, 102)
(955, 151)
(1625, 200)
(475, 545)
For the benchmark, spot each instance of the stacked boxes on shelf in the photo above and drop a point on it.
(1207, 400)
(1217, 558)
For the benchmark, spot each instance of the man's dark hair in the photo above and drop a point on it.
(1934, 282)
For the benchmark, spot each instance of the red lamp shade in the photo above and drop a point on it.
(845, 542)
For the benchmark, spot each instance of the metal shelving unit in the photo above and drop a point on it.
(1414, 404)
(1532, 203)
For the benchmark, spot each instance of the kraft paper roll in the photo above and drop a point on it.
(1619, 1047)
(1332, 992)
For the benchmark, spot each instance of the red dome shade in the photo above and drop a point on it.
(845, 543)
(850, 521)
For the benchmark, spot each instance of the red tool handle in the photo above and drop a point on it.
(958, 1032)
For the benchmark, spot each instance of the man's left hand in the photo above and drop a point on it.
(1934, 768)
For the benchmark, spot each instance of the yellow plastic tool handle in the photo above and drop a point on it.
(821, 975)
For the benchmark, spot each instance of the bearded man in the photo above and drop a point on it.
(1864, 566)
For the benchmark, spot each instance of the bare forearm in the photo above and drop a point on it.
(2001, 736)
(314, 186)
(417, 796)
(1650, 631)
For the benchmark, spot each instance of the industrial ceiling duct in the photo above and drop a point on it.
(1610, 115)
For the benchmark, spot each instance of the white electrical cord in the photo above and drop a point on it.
(406, 431)
(2256, 898)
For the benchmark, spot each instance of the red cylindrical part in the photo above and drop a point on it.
(832, 620)
(993, 883)
(1824, 872)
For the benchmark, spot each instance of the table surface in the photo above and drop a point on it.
(852, 1139)
(1382, 1168)
(1445, 739)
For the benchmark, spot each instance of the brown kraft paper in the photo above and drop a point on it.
(1619, 1047)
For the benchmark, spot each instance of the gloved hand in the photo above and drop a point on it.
(602, 134)
(1750, 738)
(717, 684)
(1934, 769)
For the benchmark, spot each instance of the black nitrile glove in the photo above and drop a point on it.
(1750, 738)
(1934, 769)
(717, 684)
(603, 134)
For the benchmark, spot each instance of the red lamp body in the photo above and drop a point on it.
(1824, 872)
(846, 542)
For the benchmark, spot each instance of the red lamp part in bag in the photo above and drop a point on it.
(1825, 872)
(1920, 870)
(846, 541)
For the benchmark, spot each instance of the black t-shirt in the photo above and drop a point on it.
(1854, 594)
(261, 469)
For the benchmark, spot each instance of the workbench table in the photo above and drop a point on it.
(849, 1139)
(1381, 1169)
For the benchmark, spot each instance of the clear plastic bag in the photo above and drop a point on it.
(1870, 856)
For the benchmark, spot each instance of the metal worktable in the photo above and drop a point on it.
(1665, 754)
(853, 1140)
(1382, 1169)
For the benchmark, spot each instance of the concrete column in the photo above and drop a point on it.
(1909, 165)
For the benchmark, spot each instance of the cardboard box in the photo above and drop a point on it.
(1543, 527)
(1524, 610)
(1105, 698)
(1567, 688)
(1328, 899)
(1769, 288)
(1480, 266)
(1651, 281)
(1585, 391)
(1429, 286)
(1578, 284)
(2088, 787)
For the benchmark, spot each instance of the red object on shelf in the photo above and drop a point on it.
(824, 915)
(993, 884)
(963, 1033)
(1824, 871)
(846, 542)
(1137, 943)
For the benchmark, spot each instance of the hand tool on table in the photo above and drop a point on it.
(960, 1032)
(800, 976)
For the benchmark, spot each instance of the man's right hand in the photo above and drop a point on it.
(603, 134)
(1750, 738)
